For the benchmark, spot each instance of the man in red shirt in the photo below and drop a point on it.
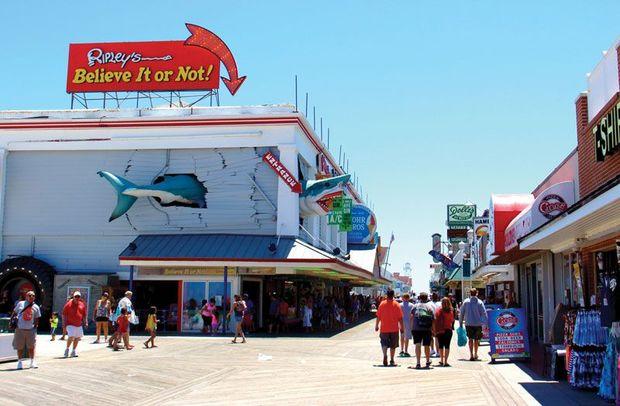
(74, 314)
(390, 317)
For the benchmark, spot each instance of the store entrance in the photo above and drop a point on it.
(253, 289)
(161, 294)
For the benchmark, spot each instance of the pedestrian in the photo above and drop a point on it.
(151, 326)
(74, 316)
(511, 302)
(389, 322)
(102, 316)
(307, 316)
(236, 311)
(122, 331)
(422, 325)
(207, 316)
(282, 315)
(53, 325)
(273, 312)
(443, 326)
(406, 307)
(474, 314)
(27, 313)
(436, 303)
(126, 303)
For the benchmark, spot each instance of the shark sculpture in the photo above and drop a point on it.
(185, 189)
(317, 195)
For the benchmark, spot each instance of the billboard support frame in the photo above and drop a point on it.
(175, 98)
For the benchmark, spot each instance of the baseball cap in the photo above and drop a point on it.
(77, 294)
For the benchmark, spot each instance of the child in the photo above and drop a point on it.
(122, 331)
(151, 327)
(53, 325)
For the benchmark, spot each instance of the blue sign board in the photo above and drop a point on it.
(447, 262)
(508, 334)
(364, 226)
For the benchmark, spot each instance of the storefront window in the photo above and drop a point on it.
(193, 295)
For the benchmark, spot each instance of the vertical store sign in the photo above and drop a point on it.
(282, 172)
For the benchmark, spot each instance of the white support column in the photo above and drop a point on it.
(3, 158)
(288, 201)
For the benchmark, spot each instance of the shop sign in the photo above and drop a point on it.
(461, 214)
(193, 64)
(324, 169)
(607, 134)
(508, 336)
(341, 214)
(481, 227)
(447, 262)
(552, 202)
(282, 172)
(363, 226)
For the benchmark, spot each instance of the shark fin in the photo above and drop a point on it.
(123, 202)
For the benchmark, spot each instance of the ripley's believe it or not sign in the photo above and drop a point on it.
(193, 64)
(607, 133)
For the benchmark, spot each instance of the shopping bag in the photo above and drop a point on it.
(462, 337)
(134, 319)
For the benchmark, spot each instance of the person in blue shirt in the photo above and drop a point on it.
(474, 314)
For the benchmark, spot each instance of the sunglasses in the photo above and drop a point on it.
(30, 295)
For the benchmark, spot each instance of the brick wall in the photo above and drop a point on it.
(592, 174)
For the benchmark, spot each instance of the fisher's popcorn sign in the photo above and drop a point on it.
(192, 64)
(508, 334)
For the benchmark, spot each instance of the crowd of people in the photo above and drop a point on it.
(27, 314)
(429, 322)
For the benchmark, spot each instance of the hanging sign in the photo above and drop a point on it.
(193, 64)
(364, 226)
(508, 334)
(341, 214)
(282, 172)
(461, 214)
(447, 262)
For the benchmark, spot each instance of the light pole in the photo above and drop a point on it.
(462, 249)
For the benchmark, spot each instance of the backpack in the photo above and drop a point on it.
(424, 317)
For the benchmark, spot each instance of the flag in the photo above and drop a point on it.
(392, 239)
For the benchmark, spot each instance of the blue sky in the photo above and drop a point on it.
(435, 102)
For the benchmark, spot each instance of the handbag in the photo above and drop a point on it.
(15, 318)
(462, 337)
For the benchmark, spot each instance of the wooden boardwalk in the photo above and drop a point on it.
(192, 370)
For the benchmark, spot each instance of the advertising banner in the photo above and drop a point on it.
(461, 214)
(436, 238)
(141, 66)
(364, 226)
(447, 262)
(508, 334)
(282, 172)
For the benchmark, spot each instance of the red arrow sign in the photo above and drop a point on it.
(282, 172)
(201, 37)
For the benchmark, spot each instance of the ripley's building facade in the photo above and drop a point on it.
(180, 204)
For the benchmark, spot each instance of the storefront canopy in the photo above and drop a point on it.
(592, 218)
(234, 250)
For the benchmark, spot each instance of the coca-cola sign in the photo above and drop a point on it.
(552, 205)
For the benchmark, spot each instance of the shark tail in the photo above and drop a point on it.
(123, 201)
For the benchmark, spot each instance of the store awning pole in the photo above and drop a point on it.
(131, 278)
(225, 301)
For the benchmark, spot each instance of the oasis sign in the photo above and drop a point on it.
(461, 214)
(192, 64)
(607, 134)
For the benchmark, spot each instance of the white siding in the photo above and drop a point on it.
(57, 207)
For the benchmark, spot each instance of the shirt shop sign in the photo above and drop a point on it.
(607, 134)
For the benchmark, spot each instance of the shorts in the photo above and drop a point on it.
(206, 320)
(422, 336)
(75, 331)
(389, 340)
(238, 319)
(102, 319)
(444, 339)
(24, 338)
(407, 334)
(474, 332)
